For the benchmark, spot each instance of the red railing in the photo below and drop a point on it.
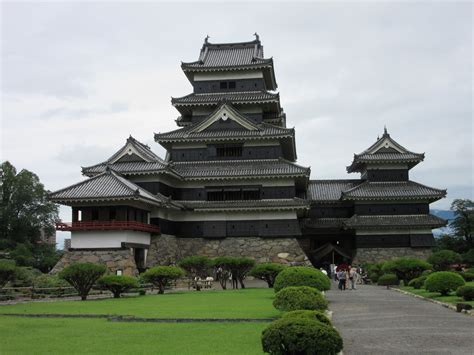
(107, 225)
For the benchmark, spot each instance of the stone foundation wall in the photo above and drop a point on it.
(167, 249)
(117, 259)
(373, 255)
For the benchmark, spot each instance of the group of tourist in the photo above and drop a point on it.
(346, 276)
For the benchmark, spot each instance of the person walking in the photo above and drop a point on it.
(352, 277)
(341, 276)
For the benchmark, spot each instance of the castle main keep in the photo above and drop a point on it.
(230, 185)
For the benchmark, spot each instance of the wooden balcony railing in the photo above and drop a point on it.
(107, 225)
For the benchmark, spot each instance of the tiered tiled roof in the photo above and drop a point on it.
(398, 221)
(397, 190)
(107, 186)
(329, 190)
(272, 204)
(385, 150)
(242, 169)
(143, 161)
(232, 56)
(236, 97)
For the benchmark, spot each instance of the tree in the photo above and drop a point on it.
(443, 259)
(82, 276)
(223, 266)
(118, 284)
(240, 267)
(463, 223)
(406, 268)
(25, 208)
(267, 272)
(161, 276)
(196, 267)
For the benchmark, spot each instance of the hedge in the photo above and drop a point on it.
(466, 292)
(307, 314)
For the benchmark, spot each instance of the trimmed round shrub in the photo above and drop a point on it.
(267, 272)
(161, 276)
(300, 336)
(373, 276)
(426, 272)
(443, 282)
(467, 276)
(82, 276)
(299, 297)
(302, 276)
(118, 284)
(7, 272)
(388, 280)
(441, 260)
(466, 292)
(306, 314)
(418, 283)
(406, 268)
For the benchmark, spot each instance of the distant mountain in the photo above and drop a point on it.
(445, 214)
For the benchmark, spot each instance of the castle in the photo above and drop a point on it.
(230, 185)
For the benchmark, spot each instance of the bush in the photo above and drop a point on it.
(426, 272)
(117, 284)
(24, 276)
(306, 314)
(302, 276)
(388, 280)
(161, 276)
(442, 259)
(418, 283)
(374, 271)
(467, 276)
(267, 272)
(406, 268)
(300, 336)
(49, 281)
(299, 297)
(7, 272)
(466, 292)
(443, 282)
(196, 266)
(373, 276)
(82, 276)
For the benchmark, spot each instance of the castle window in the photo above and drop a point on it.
(231, 84)
(95, 214)
(223, 84)
(112, 213)
(226, 151)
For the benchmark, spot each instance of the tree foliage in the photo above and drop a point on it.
(239, 268)
(162, 276)
(267, 272)
(25, 214)
(82, 276)
(118, 284)
(223, 266)
(388, 280)
(463, 223)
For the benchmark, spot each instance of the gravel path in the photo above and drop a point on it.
(374, 320)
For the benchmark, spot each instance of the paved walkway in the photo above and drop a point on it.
(374, 320)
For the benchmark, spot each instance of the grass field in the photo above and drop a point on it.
(22, 335)
(451, 298)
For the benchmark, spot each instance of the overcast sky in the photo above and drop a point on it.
(78, 78)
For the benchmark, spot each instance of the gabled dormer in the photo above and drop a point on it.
(385, 160)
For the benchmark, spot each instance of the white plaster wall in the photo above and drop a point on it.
(107, 239)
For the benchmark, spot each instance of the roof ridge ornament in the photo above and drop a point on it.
(385, 133)
(206, 39)
(257, 37)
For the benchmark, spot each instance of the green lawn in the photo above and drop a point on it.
(247, 303)
(26, 335)
(97, 336)
(452, 298)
